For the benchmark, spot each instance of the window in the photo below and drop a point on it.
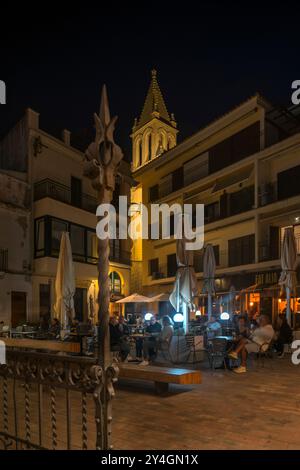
(177, 179)
(58, 226)
(241, 201)
(241, 250)
(114, 249)
(195, 169)
(288, 183)
(140, 152)
(198, 259)
(48, 232)
(115, 285)
(149, 147)
(153, 193)
(40, 237)
(165, 185)
(153, 266)
(76, 192)
(171, 265)
(45, 299)
(92, 247)
(235, 148)
(77, 234)
(211, 212)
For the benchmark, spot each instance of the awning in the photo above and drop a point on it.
(254, 287)
(233, 178)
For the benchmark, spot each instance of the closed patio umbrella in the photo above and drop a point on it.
(65, 283)
(209, 267)
(185, 287)
(288, 277)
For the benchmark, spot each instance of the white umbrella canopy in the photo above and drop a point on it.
(163, 297)
(209, 267)
(288, 277)
(65, 283)
(185, 287)
(134, 298)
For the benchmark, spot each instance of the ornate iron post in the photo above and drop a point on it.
(102, 159)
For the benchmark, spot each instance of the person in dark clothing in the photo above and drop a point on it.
(284, 335)
(55, 328)
(123, 327)
(117, 340)
(154, 328)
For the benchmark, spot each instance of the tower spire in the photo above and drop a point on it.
(154, 105)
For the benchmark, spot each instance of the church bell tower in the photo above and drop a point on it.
(155, 131)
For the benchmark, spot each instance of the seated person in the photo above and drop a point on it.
(152, 331)
(162, 341)
(54, 331)
(284, 335)
(117, 340)
(259, 340)
(242, 330)
(213, 328)
(123, 326)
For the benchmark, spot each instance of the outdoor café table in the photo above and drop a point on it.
(22, 334)
(229, 344)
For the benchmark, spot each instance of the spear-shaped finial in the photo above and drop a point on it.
(104, 113)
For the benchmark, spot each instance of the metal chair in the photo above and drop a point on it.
(190, 342)
(216, 350)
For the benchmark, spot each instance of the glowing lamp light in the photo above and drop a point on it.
(279, 300)
(148, 316)
(178, 318)
(224, 316)
(251, 304)
(198, 313)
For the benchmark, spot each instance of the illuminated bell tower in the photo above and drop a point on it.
(155, 131)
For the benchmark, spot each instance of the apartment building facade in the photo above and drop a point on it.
(60, 199)
(245, 168)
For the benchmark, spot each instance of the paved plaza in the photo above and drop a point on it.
(256, 410)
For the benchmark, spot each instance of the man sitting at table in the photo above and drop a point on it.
(259, 340)
(213, 328)
(161, 340)
(152, 330)
(117, 340)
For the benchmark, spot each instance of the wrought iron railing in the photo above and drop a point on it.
(62, 193)
(53, 402)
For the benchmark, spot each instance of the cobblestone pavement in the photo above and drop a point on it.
(256, 410)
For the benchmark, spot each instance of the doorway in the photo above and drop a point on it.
(18, 308)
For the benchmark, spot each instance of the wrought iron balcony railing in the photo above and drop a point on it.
(62, 193)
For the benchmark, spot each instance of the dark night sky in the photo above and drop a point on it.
(208, 62)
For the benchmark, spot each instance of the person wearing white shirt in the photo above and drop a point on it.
(259, 340)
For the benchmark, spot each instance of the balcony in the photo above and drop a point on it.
(62, 193)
